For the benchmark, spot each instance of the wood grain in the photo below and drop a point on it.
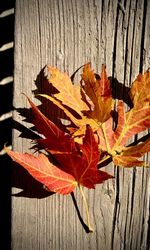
(67, 34)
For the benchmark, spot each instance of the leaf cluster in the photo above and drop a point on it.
(93, 136)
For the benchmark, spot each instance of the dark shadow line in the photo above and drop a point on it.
(143, 36)
(137, 141)
(25, 132)
(73, 75)
(79, 214)
(115, 43)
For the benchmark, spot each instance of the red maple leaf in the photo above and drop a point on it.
(77, 163)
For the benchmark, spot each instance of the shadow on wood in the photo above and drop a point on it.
(79, 214)
(30, 187)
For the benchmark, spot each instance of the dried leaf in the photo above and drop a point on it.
(99, 92)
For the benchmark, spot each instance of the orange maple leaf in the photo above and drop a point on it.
(130, 123)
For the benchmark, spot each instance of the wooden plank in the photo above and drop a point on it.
(67, 34)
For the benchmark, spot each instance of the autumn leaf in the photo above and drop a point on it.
(130, 123)
(79, 160)
(99, 91)
(82, 161)
(92, 100)
(69, 94)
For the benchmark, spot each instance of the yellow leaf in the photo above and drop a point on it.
(68, 93)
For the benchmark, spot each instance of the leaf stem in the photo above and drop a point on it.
(86, 209)
(104, 159)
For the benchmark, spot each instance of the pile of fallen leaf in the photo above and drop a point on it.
(93, 136)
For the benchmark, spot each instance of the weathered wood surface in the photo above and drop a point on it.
(67, 34)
